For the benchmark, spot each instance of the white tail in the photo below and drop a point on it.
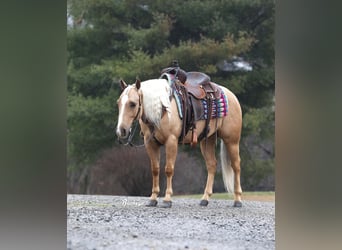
(227, 170)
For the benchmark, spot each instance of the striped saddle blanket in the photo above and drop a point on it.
(219, 107)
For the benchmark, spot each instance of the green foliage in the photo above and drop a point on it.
(255, 170)
(90, 126)
(152, 39)
(114, 39)
(259, 122)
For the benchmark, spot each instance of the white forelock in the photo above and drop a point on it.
(156, 95)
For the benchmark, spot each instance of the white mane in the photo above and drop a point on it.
(156, 95)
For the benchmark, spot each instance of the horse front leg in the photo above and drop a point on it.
(171, 147)
(153, 151)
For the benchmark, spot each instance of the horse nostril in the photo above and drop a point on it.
(123, 132)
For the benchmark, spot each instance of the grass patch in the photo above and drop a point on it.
(253, 196)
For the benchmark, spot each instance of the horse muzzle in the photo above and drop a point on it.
(122, 133)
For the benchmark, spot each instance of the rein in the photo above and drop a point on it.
(131, 135)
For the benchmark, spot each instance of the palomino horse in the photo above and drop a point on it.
(152, 103)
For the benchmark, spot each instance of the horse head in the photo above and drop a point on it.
(129, 105)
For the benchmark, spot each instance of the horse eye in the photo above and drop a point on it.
(132, 105)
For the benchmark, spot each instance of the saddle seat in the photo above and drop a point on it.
(197, 78)
(198, 84)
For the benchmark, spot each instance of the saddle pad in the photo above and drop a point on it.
(219, 106)
(179, 103)
(171, 80)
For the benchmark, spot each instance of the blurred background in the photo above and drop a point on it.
(230, 40)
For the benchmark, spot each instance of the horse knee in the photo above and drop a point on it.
(169, 171)
(155, 171)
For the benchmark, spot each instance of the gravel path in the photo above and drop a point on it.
(119, 222)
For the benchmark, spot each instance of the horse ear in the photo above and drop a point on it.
(137, 83)
(123, 84)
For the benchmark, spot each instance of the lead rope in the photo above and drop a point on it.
(130, 138)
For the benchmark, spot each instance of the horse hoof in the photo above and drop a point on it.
(204, 203)
(237, 204)
(152, 203)
(166, 204)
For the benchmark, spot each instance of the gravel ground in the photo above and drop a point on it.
(119, 222)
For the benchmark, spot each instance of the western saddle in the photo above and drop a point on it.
(194, 87)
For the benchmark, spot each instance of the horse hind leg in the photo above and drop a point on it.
(208, 152)
(234, 164)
